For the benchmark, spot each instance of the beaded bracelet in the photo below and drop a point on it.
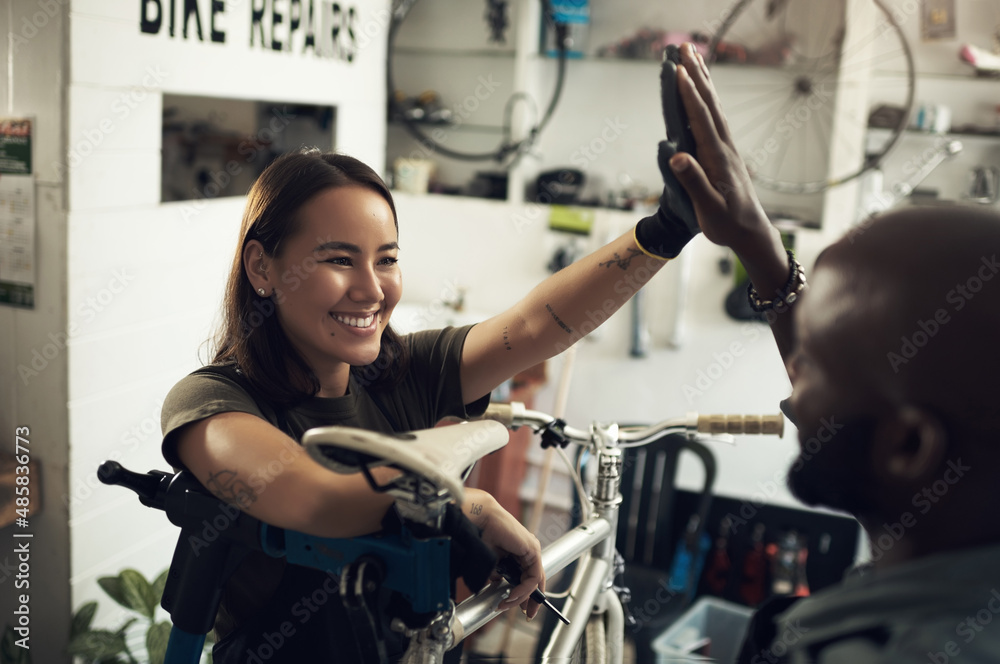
(788, 295)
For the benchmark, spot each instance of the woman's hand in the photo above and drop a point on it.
(507, 536)
(729, 212)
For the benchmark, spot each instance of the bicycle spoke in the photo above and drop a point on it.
(821, 141)
(867, 64)
(762, 99)
(758, 119)
(830, 57)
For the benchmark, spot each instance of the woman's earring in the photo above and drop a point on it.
(262, 292)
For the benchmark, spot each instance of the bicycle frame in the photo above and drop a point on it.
(421, 501)
(593, 543)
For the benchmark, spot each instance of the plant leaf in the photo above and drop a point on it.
(97, 644)
(115, 589)
(124, 628)
(156, 641)
(159, 584)
(138, 592)
(82, 619)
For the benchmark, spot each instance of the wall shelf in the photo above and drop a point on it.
(951, 135)
(457, 126)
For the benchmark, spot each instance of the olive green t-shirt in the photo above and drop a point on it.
(261, 596)
(429, 391)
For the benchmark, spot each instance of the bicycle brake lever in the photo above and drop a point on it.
(511, 572)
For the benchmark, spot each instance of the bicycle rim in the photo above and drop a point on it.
(800, 108)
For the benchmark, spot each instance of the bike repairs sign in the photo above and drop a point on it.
(321, 28)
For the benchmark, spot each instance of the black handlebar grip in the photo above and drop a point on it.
(147, 486)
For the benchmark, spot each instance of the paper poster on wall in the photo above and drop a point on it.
(17, 214)
(938, 20)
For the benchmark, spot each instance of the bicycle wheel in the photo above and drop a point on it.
(800, 79)
(593, 645)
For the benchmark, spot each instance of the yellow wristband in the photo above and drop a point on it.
(643, 249)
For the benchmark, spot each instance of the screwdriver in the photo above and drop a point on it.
(511, 572)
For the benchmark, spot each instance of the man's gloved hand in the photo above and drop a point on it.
(665, 233)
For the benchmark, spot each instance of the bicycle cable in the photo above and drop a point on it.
(506, 147)
(581, 491)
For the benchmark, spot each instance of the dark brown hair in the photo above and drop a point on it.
(250, 335)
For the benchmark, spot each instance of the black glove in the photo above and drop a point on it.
(665, 233)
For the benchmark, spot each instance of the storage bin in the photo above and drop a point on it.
(722, 623)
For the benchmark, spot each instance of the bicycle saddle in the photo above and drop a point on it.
(439, 455)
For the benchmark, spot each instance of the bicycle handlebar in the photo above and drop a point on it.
(514, 415)
(742, 424)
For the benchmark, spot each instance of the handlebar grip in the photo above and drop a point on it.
(151, 487)
(742, 424)
(507, 414)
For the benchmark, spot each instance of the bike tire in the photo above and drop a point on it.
(593, 645)
(780, 145)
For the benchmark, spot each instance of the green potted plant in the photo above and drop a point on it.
(134, 592)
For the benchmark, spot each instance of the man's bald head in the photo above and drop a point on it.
(896, 356)
(912, 305)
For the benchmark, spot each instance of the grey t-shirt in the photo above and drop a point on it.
(262, 597)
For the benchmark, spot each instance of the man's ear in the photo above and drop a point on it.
(909, 446)
(256, 265)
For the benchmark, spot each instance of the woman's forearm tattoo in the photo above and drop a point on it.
(558, 320)
(227, 486)
(623, 263)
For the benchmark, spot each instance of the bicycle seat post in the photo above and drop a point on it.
(420, 501)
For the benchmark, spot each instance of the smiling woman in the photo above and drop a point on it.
(336, 318)
(306, 341)
(317, 231)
